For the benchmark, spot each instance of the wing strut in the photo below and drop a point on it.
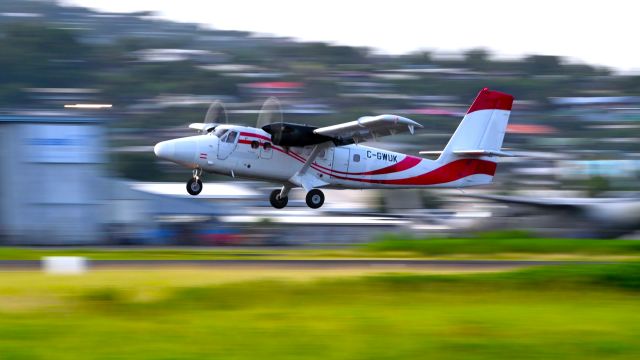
(310, 160)
(307, 180)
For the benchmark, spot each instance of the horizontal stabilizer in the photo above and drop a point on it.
(499, 153)
(431, 153)
(472, 153)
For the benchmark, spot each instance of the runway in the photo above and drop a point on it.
(308, 264)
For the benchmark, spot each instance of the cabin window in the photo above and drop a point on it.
(255, 144)
(267, 146)
(356, 157)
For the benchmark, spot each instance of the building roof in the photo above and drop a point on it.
(50, 117)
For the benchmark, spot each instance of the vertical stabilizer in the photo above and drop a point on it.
(482, 128)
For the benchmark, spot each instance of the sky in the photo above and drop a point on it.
(595, 32)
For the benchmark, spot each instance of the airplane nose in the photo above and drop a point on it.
(181, 151)
(165, 150)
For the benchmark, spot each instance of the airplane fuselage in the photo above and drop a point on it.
(251, 154)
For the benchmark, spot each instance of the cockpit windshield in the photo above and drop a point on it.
(231, 138)
(220, 132)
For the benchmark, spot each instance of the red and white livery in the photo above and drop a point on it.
(334, 156)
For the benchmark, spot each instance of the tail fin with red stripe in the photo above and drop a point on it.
(480, 134)
(482, 129)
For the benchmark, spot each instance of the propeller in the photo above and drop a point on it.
(271, 120)
(217, 114)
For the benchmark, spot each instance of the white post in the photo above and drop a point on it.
(64, 265)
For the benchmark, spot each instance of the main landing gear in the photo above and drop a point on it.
(315, 198)
(280, 198)
(194, 185)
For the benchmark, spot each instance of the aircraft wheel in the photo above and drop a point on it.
(276, 201)
(315, 198)
(194, 186)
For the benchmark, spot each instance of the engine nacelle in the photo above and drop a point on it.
(287, 134)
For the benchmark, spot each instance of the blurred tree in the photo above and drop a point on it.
(543, 65)
(631, 83)
(597, 185)
(419, 58)
(322, 52)
(477, 59)
(36, 55)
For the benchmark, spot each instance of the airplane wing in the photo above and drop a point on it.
(559, 204)
(203, 127)
(369, 127)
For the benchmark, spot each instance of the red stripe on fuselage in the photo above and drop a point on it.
(405, 164)
(248, 134)
(452, 171)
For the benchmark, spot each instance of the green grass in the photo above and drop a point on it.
(488, 244)
(505, 245)
(568, 312)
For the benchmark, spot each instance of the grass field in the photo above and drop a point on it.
(487, 246)
(491, 245)
(569, 312)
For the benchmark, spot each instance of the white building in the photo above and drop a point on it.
(51, 178)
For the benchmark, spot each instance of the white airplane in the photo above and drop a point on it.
(332, 157)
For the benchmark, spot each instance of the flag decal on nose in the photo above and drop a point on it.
(203, 156)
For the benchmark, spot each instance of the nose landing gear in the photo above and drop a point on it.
(278, 201)
(194, 185)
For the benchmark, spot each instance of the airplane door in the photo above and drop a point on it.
(324, 159)
(211, 148)
(227, 144)
(357, 161)
(341, 159)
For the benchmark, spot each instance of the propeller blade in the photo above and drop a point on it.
(216, 114)
(271, 112)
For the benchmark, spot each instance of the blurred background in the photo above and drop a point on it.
(105, 256)
(87, 175)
